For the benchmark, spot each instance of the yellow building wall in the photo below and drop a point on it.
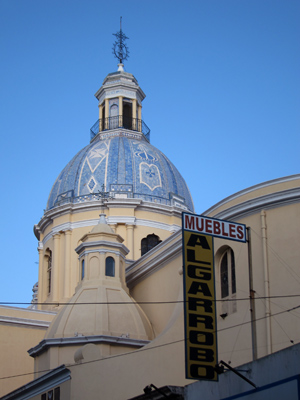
(19, 331)
(65, 274)
(159, 290)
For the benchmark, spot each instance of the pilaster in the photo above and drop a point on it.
(67, 269)
(129, 239)
(41, 288)
(100, 117)
(134, 122)
(55, 267)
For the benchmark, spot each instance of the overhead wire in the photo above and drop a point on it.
(239, 331)
(149, 348)
(288, 268)
(280, 259)
(57, 304)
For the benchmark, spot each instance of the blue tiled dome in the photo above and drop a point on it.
(126, 166)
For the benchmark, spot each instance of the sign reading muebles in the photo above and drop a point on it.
(199, 290)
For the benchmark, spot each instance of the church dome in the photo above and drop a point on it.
(122, 164)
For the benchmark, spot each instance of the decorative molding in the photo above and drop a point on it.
(174, 228)
(40, 385)
(24, 321)
(28, 310)
(85, 252)
(123, 250)
(250, 190)
(153, 224)
(74, 208)
(124, 203)
(113, 220)
(156, 225)
(170, 210)
(273, 200)
(121, 132)
(82, 340)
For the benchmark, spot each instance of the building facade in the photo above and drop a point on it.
(110, 267)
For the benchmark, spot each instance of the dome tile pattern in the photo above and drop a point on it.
(124, 166)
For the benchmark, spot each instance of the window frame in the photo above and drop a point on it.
(227, 276)
(149, 242)
(110, 270)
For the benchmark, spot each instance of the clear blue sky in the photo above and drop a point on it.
(222, 79)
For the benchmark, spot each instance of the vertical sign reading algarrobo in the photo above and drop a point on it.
(199, 291)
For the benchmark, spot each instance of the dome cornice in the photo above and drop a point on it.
(120, 84)
(113, 221)
(71, 208)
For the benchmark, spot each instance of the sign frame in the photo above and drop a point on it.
(200, 320)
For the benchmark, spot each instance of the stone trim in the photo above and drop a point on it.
(273, 200)
(108, 246)
(251, 189)
(111, 221)
(40, 385)
(24, 321)
(73, 208)
(82, 340)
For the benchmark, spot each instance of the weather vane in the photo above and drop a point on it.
(120, 49)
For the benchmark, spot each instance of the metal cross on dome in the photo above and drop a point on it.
(120, 49)
(103, 195)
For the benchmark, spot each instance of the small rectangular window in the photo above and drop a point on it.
(82, 269)
(57, 393)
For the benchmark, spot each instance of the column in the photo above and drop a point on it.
(100, 117)
(67, 267)
(121, 111)
(134, 122)
(140, 118)
(41, 287)
(55, 268)
(106, 122)
(130, 242)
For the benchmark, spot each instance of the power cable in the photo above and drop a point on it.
(153, 347)
(2, 303)
(281, 260)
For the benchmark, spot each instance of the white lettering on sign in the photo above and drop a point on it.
(214, 227)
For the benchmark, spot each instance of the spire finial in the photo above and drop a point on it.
(120, 49)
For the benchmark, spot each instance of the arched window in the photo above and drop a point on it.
(114, 117)
(82, 269)
(228, 280)
(224, 276)
(148, 243)
(227, 270)
(48, 258)
(109, 266)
